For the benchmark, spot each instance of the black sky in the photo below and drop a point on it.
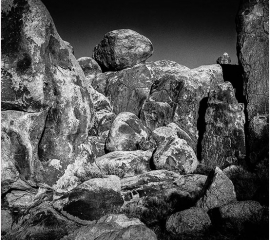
(190, 32)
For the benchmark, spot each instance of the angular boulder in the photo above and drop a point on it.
(126, 89)
(40, 74)
(124, 163)
(175, 155)
(223, 142)
(127, 133)
(92, 199)
(121, 49)
(113, 227)
(252, 23)
(192, 222)
(218, 191)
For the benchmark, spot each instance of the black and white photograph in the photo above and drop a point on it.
(135, 120)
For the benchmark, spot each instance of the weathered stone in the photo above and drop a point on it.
(223, 142)
(224, 59)
(180, 93)
(193, 221)
(113, 227)
(21, 133)
(129, 88)
(90, 68)
(126, 89)
(125, 163)
(121, 49)
(175, 154)
(239, 215)
(219, 190)
(253, 53)
(40, 74)
(92, 199)
(127, 134)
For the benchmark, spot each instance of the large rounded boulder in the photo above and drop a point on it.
(121, 49)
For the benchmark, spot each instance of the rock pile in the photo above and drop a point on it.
(114, 147)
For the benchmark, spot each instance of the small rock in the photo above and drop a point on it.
(175, 155)
(219, 191)
(125, 163)
(193, 221)
(128, 134)
(121, 49)
(224, 59)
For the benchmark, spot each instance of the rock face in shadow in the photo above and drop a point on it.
(41, 75)
(223, 142)
(253, 54)
(121, 49)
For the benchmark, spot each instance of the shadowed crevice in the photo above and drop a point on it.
(201, 126)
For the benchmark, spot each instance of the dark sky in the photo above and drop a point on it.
(190, 32)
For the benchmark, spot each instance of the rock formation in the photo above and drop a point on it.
(114, 147)
(253, 53)
(223, 142)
